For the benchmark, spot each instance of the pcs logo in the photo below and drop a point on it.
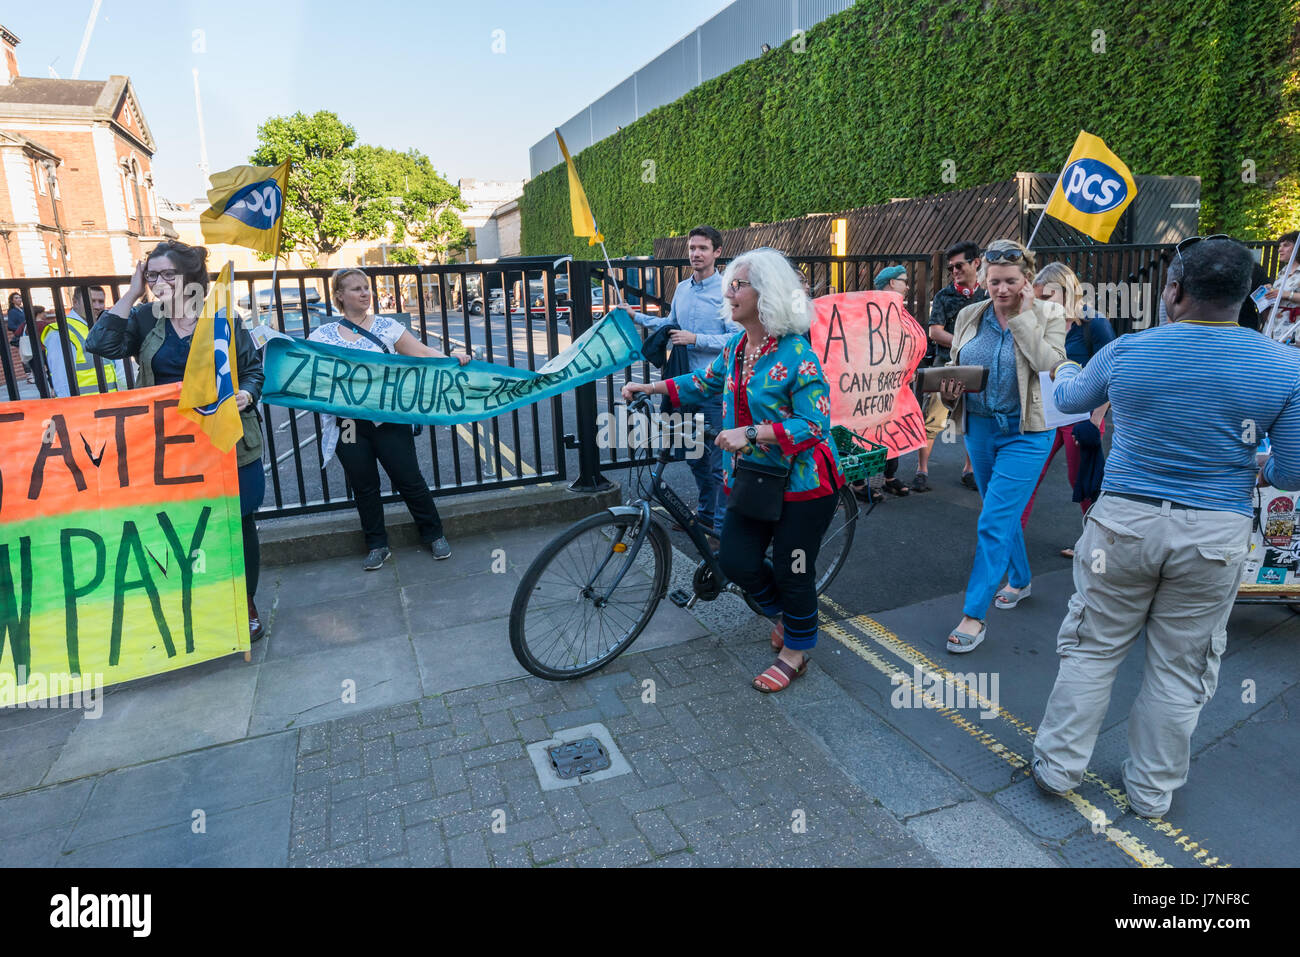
(1093, 187)
(257, 204)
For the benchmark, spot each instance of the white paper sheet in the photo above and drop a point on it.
(1054, 417)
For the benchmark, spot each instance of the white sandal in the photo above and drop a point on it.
(965, 643)
(1006, 598)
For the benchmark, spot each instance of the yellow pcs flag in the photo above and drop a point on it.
(1094, 189)
(247, 207)
(211, 378)
(584, 224)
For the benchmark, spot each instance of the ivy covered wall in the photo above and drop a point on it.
(883, 99)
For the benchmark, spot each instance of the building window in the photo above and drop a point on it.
(54, 178)
(135, 191)
(38, 173)
(126, 194)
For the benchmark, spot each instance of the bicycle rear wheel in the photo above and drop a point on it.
(561, 624)
(838, 539)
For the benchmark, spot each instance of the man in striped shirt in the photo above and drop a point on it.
(1163, 547)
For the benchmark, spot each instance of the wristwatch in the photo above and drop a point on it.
(751, 434)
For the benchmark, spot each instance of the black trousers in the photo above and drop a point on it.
(788, 585)
(391, 445)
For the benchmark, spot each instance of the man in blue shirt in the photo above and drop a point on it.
(697, 309)
(1163, 548)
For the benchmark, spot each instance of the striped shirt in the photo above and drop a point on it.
(1191, 402)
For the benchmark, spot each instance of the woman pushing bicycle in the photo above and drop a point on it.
(783, 481)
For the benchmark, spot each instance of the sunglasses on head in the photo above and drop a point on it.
(1003, 255)
(1193, 240)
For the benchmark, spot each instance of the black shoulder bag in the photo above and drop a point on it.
(757, 490)
(351, 326)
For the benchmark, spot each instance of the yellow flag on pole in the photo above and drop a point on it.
(247, 207)
(1093, 190)
(584, 224)
(211, 378)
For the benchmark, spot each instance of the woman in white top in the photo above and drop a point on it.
(373, 444)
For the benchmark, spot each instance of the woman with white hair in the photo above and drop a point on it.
(776, 417)
(1014, 336)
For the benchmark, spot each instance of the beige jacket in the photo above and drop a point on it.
(1039, 335)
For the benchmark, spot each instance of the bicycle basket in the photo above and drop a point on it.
(859, 457)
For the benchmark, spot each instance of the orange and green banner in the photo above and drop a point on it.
(121, 553)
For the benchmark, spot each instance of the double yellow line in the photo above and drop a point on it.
(486, 453)
(888, 642)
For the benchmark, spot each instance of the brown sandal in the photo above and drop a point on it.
(779, 676)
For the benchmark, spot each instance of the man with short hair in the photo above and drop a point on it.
(696, 309)
(963, 266)
(92, 301)
(1162, 549)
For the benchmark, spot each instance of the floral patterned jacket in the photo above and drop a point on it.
(788, 392)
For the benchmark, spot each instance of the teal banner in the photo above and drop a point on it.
(360, 384)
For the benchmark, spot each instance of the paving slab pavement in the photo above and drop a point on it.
(385, 722)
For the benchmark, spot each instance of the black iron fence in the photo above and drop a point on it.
(517, 315)
(521, 313)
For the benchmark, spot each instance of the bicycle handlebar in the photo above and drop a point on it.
(641, 403)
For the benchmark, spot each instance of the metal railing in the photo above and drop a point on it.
(450, 307)
(540, 309)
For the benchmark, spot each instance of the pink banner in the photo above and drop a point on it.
(869, 347)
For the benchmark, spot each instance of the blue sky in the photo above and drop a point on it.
(404, 74)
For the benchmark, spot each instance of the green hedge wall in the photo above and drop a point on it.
(886, 91)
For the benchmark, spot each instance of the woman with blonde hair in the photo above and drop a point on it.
(390, 444)
(1015, 336)
(776, 417)
(1088, 332)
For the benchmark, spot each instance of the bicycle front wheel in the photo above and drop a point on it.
(563, 624)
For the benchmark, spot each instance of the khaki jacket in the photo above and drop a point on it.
(142, 334)
(1039, 336)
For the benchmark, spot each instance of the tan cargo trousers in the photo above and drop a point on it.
(1175, 572)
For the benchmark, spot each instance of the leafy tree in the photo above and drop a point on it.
(424, 206)
(340, 190)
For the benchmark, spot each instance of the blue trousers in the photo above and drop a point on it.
(1007, 464)
(707, 470)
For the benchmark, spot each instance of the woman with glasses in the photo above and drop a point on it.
(1015, 337)
(776, 414)
(158, 335)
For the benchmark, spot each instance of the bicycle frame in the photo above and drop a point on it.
(665, 496)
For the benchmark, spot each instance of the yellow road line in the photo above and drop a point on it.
(1125, 841)
(485, 450)
(889, 641)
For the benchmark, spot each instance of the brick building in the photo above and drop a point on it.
(76, 181)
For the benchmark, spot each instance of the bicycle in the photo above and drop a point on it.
(568, 591)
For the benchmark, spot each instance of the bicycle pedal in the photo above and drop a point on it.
(682, 598)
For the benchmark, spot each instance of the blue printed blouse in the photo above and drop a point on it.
(786, 391)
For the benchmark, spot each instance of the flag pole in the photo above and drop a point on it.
(1282, 279)
(1030, 243)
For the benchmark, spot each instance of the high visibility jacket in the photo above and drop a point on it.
(84, 362)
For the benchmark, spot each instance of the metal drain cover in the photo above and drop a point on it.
(573, 757)
(578, 757)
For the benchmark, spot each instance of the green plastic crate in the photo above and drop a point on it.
(859, 457)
